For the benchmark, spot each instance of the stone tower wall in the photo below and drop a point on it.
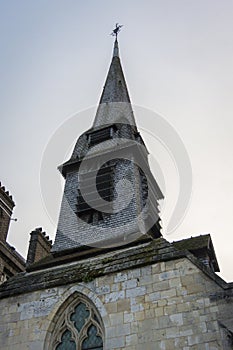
(6, 207)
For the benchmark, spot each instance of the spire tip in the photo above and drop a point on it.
(116, 49)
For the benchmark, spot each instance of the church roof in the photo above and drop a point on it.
(193, 243)
(46, 276)
(10, 256)
(197, 244)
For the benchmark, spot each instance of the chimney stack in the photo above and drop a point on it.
(39, 246)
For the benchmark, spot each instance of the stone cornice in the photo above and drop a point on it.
(88, 269)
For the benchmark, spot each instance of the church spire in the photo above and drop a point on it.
(107, 199)
(115, 94)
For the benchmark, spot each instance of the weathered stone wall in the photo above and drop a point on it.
(168, 305)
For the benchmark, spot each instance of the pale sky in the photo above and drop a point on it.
(177, 57)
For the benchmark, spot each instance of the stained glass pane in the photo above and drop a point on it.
(92, 342)
(79, 316)
(66, 342)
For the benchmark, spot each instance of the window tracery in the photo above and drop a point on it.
(79, 327)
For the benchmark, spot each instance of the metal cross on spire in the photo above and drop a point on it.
(116, 30)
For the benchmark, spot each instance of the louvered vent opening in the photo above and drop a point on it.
(144, 187)
(100, 135)
(104, 185)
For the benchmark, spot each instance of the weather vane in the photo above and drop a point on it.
(116, 30)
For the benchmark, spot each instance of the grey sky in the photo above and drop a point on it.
(177, 57)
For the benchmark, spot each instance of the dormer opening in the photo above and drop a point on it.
(100, 135)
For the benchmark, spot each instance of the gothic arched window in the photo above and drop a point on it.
(78, 327)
